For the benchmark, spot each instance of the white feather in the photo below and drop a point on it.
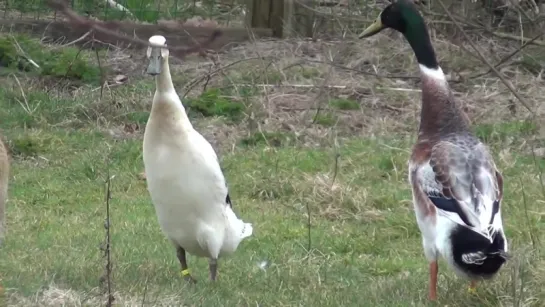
(434, 73)
(184, 179)
(479, 213)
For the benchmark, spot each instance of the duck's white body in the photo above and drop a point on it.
(188, 190)
(185, 181)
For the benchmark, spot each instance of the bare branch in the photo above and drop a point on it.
(74, 41)
(107, 243)
(23, 53)
(108, 29)
(512, 54)
(483, 58)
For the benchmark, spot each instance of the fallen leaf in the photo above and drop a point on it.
(539, 152)
(120, 79)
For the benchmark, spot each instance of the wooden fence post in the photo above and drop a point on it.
(285, 17)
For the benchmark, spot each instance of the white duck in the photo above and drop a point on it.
(184, 178)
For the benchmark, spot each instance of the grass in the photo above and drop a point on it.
(364, 247)
(364, 243)
(68, 63)
(344, 104)
(213, 103)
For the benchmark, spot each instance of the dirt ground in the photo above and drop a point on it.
(294, 80)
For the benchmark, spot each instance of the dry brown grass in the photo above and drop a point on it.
(293, 80)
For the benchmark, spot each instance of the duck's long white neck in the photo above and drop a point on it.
(166, 102)
(163, 81)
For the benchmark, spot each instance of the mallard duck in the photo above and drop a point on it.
(4, 173)
(457, 189)
(184, 178)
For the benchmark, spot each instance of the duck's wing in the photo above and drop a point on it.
(228, 200)
(469, 186)
(218, 182)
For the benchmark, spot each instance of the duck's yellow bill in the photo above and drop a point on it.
(373, 29)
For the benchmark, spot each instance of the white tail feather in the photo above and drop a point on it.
(477, 258)
(240, 229)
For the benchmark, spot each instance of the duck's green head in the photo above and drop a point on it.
(403, 16)
(399, 15)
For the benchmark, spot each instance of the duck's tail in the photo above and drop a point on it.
(239, 228)
(236, 231)
(475, 254)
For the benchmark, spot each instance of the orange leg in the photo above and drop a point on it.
(434, 268)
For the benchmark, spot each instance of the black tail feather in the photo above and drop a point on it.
(475, 254)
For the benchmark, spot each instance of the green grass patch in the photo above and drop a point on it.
(504, 130)
(344, 104)
(213, 103)
(532, 63)
(67, 62)
(363, 247)
(326, 119)
(274, 139)
(28, 145)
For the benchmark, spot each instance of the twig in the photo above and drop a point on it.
(25, 107)
(336, 168)
(23, 53)
(527, 217)
(107, 247)
(512, 54)
(144, 296)
(197, 80)
(540, 177)
(483, 58)
(74, 41)
(102, 76)
(72, 63)
(319, 95)
(309, 227)
(208, 78)
(487, 30)
(518, 38)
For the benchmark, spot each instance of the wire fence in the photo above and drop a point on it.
(331, 18)
(149, 11)
(338, 18)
